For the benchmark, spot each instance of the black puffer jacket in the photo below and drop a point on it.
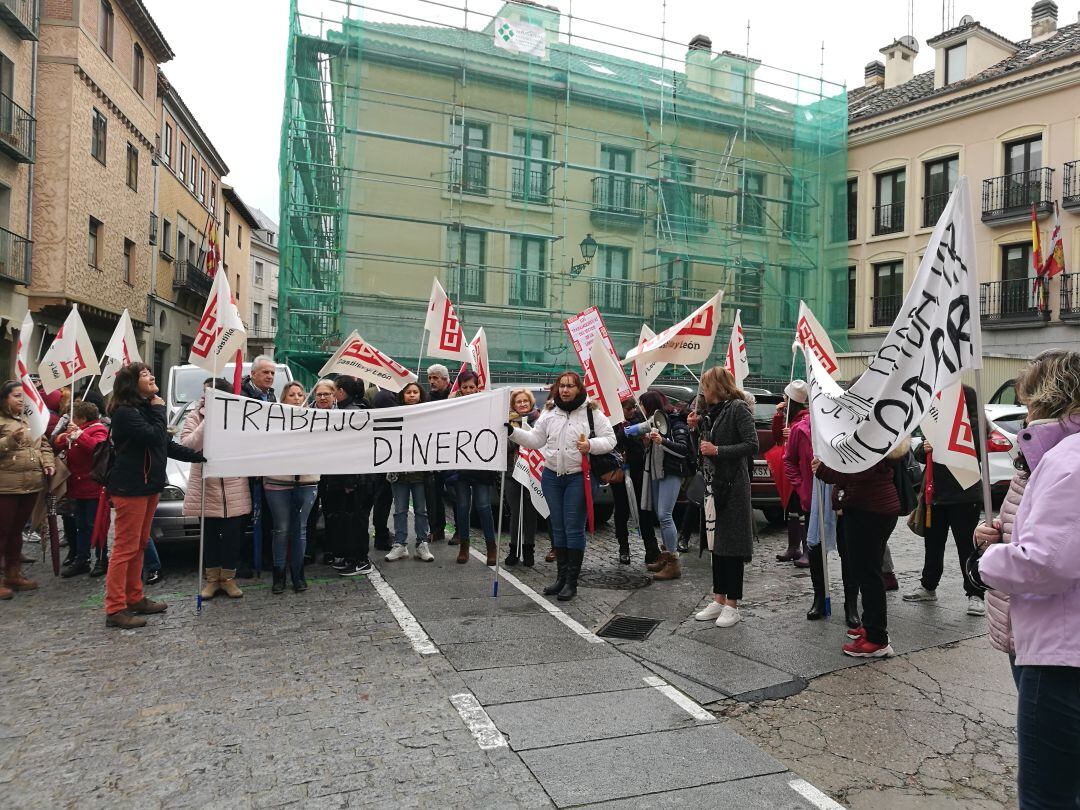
(252, 391)
(141, 437)
(678, 446)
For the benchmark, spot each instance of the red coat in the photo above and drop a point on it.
(80, 458)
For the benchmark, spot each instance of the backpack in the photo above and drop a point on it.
(102, 460)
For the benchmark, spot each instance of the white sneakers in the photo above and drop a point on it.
(398, 552)
(710, 613)
(976, 606)
(920, 594)
(729, 617)
(725, 615)
(424, 553)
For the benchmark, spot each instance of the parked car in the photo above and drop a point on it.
(169, 524)
(186, 383)
(1005, 394)
(763, 492)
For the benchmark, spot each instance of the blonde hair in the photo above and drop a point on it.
(720, 382)
(289, 386)
(517, 392)
(1050, 385)
(324, 383)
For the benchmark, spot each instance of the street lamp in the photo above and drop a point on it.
(588, 250)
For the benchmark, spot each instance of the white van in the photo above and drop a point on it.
(186, 383)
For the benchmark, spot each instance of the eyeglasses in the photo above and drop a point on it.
(323, 395)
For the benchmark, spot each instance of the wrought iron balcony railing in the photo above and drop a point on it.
(1009, 198)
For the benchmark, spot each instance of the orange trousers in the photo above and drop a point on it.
(123, 583)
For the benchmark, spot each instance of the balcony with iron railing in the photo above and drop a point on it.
(1070, 185)
(615, 296)
(530, 184)
(527, 289)
(1009, 198)
(675, 300)
(473, 179)
(888, 218)
(1011, 301)
(932, 206)
(845, 229)
(21, 16)
(618, 201)
(684, 209)
(1069, 297)
(884, 309)
(15, 254)
(189, 277)
(16, 131)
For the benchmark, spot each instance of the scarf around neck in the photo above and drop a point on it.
(573, 404)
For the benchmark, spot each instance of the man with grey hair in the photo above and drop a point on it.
(259, 384)
(438, 389)
(438, 377)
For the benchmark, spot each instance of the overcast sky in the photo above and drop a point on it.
(230, 54)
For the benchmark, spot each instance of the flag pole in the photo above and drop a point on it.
(819, 493)
(521, 513)
(984, 466)
(791, 379)
(498, 536)
(420, 357)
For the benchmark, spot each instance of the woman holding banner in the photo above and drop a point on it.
(473, 488)
(568, 429)
(522, 512)
(349, 498)
(410, 485)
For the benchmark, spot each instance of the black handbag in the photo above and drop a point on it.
(608, 467)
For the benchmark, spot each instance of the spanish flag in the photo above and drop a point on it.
(1036, 247)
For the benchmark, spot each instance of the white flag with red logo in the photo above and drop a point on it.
(358, 358)
(34, 408)
(478, 359)
(609, 378)
(811, 336)
(689, 342)
(736, 361)
(221, 332)
(643, 374)
(445, 337)
(121, 351)
(527, 471)
(70, 357)
(947, 427)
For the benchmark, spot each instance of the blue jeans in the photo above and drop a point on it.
(468, 494)
(1048, 733)
(565, 496)
(402, 491)
(664, 494)
(290, 509)
(151, 560)
(85, 514)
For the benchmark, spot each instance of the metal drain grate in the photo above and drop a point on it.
(634, 628)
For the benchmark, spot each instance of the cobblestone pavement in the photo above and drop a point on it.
(320, 699)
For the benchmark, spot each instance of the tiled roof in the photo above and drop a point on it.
(865, 102)
(965, 27)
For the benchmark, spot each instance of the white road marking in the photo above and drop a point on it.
(420, 640)
(486, 734)
(543, 602)
(691, 707)
(813, 795)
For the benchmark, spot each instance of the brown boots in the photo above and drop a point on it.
(463, 552)
(15, 581)
(671, 569)
(659, 562)
(228, 584)
(492, 553)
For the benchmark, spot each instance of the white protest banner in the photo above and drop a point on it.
(221, 332)
(608, 377)
(689, 342)
(122, 350)
(445, 337)
(947, 426)
(357, 358)
(478, 358)
(34, 407)
(519, 37)
(528, 468)
(644, 374)
(248, 437)
(582, 329)
(811, 335)
(934, 340)
(736, 361)
(70, 357)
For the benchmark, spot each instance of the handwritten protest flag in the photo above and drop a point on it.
(736, 361)
(358, 358)
(609, 379)
(221, 331)
(688, 342)
(34, 408)
(811, 336)
(642, 374)
(947, 426)
(445, 336)
(528, 468)
(70, 357)
(122, 350)
(935, 338)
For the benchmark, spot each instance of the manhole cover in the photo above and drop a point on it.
(634, 628)
(613, 580)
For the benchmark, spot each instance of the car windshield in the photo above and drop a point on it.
(765, 407)
(188, 382)
(1010, 424)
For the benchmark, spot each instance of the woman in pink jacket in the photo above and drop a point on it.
(1040, 570)
(228, 501)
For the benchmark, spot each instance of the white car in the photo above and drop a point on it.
(186, 383)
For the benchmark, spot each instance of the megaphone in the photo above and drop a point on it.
(658, 422)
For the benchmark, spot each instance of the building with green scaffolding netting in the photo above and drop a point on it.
(482, 143)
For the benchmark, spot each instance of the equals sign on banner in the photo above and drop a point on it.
(389, 423)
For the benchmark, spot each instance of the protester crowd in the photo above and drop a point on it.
(1026, 561)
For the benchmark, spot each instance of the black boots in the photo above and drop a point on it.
(299, 579)
(851, 606)
(794, 540)
(574, 556)
(560, 561)
(279, 581)
(817, 576)
(527, 557)
(624, 550)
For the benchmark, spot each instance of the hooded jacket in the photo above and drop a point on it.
(225, 497)
(1040, 567)
(80, 459)
(556, 433)
(998, 621)
(798, 453)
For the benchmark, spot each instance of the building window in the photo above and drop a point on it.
(239, 235)
(166, 238)
(93, 253)
(99, 136)
(183, 162)
(685, 207)
(273, 319)
(138, 68)
(213, 197)
(105, 27)
(612, 291)
(889, 211)
(1023, 155)
(226, 221)
(258, 275)
(751, 209)
(794, 219)
(794, 292)
(202, 185)
(468, 251)
(528, 180)
(132, 167)
(938, 181)
(888, 292)
(955, 63)
(527, 260)
(852, 209)
(1017, 293)
(194, 168)
(469, 169)
(748, 294)
(129, 261)
(612, 191)
(845, 211)
(852, 275)
(256, 317)
(167, 146)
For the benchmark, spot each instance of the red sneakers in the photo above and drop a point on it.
(856, 632)
(861, 648)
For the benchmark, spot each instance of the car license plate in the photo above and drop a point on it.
(761, 472)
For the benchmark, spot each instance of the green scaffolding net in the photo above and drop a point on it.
(482, 142)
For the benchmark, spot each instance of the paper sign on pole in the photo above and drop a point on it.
(357, 358)
(736, 361)
(70, 357)
(121, 351)
(582, 329)
(528, 467)
(445, 336)
(689, 342)
(947, 426)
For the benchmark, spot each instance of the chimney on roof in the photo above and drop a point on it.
(900, 60)
(699, 64)
(1044, 16)
(874, 75)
